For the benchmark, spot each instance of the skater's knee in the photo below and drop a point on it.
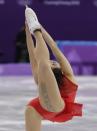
(30, 113)
(44, 65)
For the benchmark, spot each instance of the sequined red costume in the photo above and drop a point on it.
(68, 93)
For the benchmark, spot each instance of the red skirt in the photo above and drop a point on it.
(71, 109)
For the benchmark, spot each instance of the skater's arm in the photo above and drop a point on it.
(64, 63)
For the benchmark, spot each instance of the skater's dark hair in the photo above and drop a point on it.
(58, 75)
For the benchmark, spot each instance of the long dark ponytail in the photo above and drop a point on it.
(58, 75)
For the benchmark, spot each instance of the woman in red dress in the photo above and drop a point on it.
(55, 80)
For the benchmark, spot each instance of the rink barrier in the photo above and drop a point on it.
(83, 68)
(15, 69)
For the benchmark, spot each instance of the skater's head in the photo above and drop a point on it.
(57, 72)
(54, 64)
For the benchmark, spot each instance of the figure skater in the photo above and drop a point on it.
(55, 80)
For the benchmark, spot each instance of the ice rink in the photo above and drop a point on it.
(15, 92)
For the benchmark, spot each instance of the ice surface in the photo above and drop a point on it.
(15, 92)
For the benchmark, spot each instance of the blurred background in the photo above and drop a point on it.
(72, 24)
